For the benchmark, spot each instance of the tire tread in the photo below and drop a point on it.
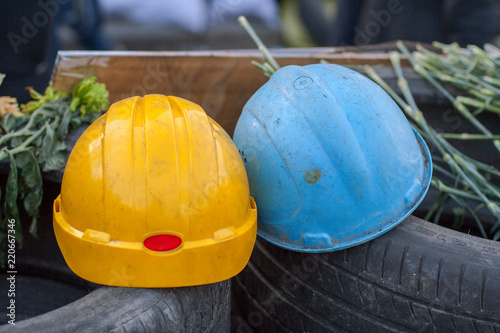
(429, 290)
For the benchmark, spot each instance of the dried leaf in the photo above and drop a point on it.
(9, 105)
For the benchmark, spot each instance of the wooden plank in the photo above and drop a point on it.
(220, 81)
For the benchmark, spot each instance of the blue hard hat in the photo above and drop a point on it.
(331, 159)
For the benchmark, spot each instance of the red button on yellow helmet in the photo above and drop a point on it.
(155, 194)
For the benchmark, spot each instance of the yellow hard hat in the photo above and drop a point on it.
(155, 194)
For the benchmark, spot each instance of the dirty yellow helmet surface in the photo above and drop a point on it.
(155, 194)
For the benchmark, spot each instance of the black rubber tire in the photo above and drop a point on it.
(203, 308)
(417, 277)
(112, 309)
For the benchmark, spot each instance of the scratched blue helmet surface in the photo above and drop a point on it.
(331, 159)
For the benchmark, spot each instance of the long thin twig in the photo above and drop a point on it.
(261, 46)
(468, 136)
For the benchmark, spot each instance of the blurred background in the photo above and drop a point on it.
(32, 31)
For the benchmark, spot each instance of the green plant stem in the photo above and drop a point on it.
(468, 136)
(26, 143)
(260, 45)
(439, 201)
(441, 170)
(488, 105)
(442, 187)
(494, 90)
(463, 204)
(478, 165)
(478, 177)
(491, 80)
(490, 205)
(24, 131)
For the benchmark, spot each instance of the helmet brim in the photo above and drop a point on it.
(378, 227)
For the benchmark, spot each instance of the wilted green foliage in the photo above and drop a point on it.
(35, 141)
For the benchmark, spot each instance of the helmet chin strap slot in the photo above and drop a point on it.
(96, 236)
